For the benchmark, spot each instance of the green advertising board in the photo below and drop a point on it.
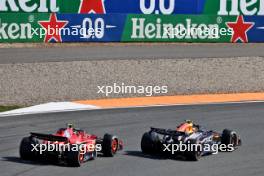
(39, 6)
(20, 28)
(177, 28)
(234, 7)
(164, 7)
(52, 27)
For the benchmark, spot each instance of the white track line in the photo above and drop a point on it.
(49, 108)
(69, 106)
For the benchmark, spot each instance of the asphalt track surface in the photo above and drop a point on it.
(129, 124)
(127, 51)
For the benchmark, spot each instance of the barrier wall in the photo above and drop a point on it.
(132, 21)
(167, 7)
(105, 6)
(52, 27)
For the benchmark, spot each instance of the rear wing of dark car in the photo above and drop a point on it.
(49, 137)
(167, 132)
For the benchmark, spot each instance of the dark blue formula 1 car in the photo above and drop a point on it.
(188, 140)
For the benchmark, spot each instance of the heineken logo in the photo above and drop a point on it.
(241, 7)
(141, 29)
(15, 31)
(29, 5)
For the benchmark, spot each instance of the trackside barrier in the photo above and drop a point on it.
(131, 21)
(165, 7)
(55, 27)
(104, 6)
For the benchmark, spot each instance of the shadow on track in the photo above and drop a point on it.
(156, 156)
(39, 162)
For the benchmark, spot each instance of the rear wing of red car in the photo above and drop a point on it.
(49, 137)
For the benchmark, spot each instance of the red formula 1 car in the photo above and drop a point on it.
(68, 145)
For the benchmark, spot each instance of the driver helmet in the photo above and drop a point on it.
(186, 127)
(69, 130)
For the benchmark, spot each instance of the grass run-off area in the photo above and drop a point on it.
(7, 108)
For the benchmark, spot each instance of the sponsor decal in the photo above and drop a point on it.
(29, 5)
(94, 27)
(160, 30)
(53, 26)
(92, 6)
(240, 29)
(241, 7)
(15, 31)
(162, 9)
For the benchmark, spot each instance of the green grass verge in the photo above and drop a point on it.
(7, 108)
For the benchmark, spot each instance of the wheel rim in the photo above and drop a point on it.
(199, 152)
(81, 157)
(233, 140)
(114, 145)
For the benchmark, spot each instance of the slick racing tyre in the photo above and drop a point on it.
(75, 158)
(26, 149)
(149, 143)
(229, 137)
(110, 145)
(195, 153)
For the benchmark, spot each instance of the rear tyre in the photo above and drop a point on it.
(149, 143)
(196, 152)
(26, 149)
(110, 145)
(75, 158)
(229, 137)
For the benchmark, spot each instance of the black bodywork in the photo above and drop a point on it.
(156, 140)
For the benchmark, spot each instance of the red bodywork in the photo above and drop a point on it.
(70, 136)
(69, 145)
(76, 137)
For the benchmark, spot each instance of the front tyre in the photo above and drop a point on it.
(230, 137)
(110, 145)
